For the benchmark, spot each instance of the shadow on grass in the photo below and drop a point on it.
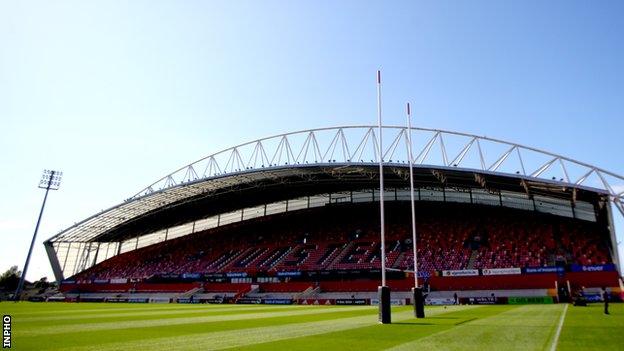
(466, 321)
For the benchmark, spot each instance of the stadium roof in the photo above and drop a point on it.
(342, 158)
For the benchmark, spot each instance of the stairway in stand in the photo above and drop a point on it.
(473, 258)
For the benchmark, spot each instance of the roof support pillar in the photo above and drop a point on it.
(54, 262)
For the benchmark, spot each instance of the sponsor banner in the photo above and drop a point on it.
(593, 268)
(159, 300)
(289, 274)
(351, 302)
(213, 275)
(314, 302)
(119, 281)
(137, 300)
(592, 297)
(501, 271)
(522, 300)
(212, 301)
(277, 301)
(424, 274)
(460, 273)
(249, 301)
(440, 301)
(236, 274)
(394, 302)
(170, 276)
(547, 269)
(188, 300)
(115, 299)
(92, 299)
(100, 281)
(55, 299)
(483, 300)
(191, 276)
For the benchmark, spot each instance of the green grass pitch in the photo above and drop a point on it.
(89, 326)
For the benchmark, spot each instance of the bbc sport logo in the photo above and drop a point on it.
(6, 332)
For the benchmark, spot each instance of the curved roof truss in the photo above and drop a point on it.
(349, 146)
(358, 144)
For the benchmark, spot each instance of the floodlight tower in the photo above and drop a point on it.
(50, 180)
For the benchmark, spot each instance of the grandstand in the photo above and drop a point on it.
(294, 219)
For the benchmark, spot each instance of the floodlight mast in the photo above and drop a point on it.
(50, 180)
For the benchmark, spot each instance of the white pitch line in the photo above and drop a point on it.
(553, 347)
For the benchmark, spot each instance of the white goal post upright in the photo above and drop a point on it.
(417, 296)
(383, 290)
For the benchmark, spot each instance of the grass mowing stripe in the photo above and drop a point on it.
(404, 327)
(519, 328)
(555, 341)
(37, 308)
(244, 337)
(63, 340)
(526, 327)
(588, 328)
(235, 338)
(34, 309)
(138, 317)
(135, 313)
(413, 344)
(73, 328)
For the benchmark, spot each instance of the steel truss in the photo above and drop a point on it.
(351, 146)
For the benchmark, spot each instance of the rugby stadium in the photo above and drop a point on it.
(293, 219)
(275, 244)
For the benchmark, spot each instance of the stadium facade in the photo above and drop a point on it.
(313, 169)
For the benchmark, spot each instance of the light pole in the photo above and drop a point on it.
(50, 180)
(419, 306)
(383, 291)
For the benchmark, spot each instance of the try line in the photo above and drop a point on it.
(553, 347)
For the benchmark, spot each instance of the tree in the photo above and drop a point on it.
(42, 283)
(10, 279)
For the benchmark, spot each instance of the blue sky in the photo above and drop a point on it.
(117, 93)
